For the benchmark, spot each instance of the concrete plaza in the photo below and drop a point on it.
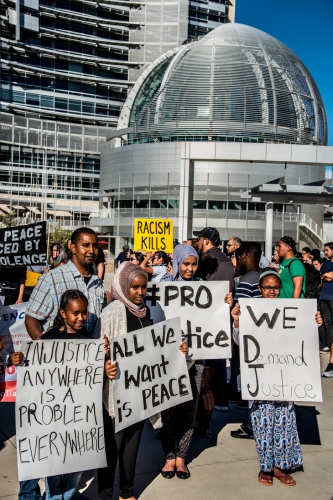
(222, 467)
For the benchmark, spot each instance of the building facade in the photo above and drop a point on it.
(66, 70)
(240, 114)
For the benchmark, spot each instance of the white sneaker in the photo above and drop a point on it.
(329, 371)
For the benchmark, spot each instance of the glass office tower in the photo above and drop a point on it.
(66, 71)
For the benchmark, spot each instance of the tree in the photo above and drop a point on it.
(60, 236)
(10, 219)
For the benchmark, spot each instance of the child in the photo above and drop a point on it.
(68, 324)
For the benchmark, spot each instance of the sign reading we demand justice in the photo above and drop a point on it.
(152, 372)
(59, 420)
(279, 350)
(153, 234)
(205, 317)
(23, 245)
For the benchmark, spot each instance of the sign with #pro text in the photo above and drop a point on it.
(279, 350)
(152, 372)
(59, 420)
(205, 317)
(153, 234)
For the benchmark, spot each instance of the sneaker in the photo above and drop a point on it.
(221, 408)
(203, 433)
(325, 350)
(329, 371)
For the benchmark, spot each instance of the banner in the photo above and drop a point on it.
(279, 350)
(205, 318)
(13, 333)
(153, 234)
(23, 245)
(59, 419)
(152, 372)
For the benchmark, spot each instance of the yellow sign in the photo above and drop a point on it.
(153, 234)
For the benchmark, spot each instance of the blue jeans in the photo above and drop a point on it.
(29, 490)
(62, 487)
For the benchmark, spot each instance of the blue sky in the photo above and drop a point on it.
(305, 27)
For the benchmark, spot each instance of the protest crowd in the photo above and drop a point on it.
(67, 301)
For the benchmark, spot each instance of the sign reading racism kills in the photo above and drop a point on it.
(153, 234)
(153, 373)
(59, 420)
(13, 333)
(23, 245)
(279, 351)
(205, 318)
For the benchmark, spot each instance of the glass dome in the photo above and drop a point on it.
(235, 84)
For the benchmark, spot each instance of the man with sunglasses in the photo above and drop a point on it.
(158, 268)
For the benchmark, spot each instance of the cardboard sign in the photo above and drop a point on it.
(13, 333)
(279, 350)
(153, 234)
(152, 372)
(59, 420)
(23, 245)
(205, 318)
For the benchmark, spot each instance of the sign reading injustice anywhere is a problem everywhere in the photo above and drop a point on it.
(23, 245)
(153, 234)
(152, 372)
(59, 420)
(205, 317)
(279, 350)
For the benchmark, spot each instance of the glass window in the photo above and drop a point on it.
(216, 205)
(200, 204)
(237, 205)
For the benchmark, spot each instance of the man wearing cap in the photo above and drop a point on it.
(208, 242)
(291, 270)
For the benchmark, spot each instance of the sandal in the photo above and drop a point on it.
(285, 479)
(265, 479)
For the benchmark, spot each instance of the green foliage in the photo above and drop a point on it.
(60, 236)
(10, 220)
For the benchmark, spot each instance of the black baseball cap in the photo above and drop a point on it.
(211, 233)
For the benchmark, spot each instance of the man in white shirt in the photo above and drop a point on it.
(159, 261)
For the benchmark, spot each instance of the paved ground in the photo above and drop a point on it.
(222, 467)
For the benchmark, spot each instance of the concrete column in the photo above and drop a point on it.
(269, 229)
(186, 195)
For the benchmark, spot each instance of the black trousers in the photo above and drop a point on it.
(125, 445)
(327, 310)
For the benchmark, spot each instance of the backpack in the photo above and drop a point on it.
(312, 282)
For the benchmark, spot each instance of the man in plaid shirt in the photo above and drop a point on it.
(78, 274)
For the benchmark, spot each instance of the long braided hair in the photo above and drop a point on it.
(66, 298)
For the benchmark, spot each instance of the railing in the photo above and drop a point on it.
(64, 224)
(305, 220)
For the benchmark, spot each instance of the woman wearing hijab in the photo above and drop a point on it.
(179, 421)
(126, 313)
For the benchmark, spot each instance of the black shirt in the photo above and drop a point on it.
(55, 334)
(134, 323)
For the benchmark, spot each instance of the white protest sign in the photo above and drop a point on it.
(153, 373)
(59, 420)
(205, 318)
(279, 350)
(13, 333)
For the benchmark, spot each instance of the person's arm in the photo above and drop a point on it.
(298, 282)
(21, 291)
(34, 327)
(148, 270)
(100, 270)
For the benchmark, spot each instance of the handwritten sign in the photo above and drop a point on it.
(279, 351)
(153, 373)
(13, 333)
(153, 234)
(59, 421)
(23, 245)
(205, 318)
